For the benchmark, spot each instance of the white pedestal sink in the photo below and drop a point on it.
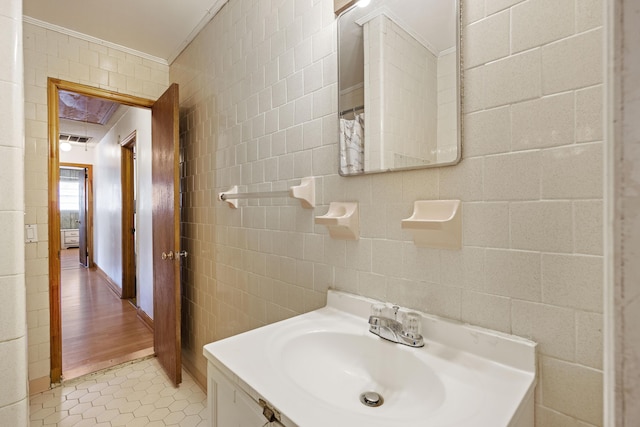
(312, 370)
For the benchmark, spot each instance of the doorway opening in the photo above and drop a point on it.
(76, 210)
(134, 237)
(102, 324)
(92, 327)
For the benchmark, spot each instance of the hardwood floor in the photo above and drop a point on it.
(69, 259)
(99, 329)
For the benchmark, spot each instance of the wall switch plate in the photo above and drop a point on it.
(31, 233)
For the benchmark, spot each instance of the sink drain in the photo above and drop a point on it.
(371, 399)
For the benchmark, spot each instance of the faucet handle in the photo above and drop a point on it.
(377, 312)
(395, 309)
(412, 325)
(378, 309)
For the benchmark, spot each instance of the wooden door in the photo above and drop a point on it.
(82, 218)
(128, 217)
(166, 233)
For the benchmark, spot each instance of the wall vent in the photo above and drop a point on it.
(74, 138)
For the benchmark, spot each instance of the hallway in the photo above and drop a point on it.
(99, 330)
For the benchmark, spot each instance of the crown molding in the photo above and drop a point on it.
(208, 16)
(91, 39)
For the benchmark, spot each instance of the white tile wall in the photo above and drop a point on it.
(538, 22)
(512, 273)
(487, 39)
(552, 326)
(447, 146)
(588, 114)
(572, 389)
(587, 223)
(51, 54)
(13, 371)
(13, 347)
(512, 176)
(486, 224)
(493, 6)
(572, 172)
(572, 63)
(572, 281)
(488, 311)
(487, 132)
(408, 118)
(589, 336)
(542, 226)
(512, 79)
(530, 182)
(543, 122)
(550, 418)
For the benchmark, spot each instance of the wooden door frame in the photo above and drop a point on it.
(89, 207)
(55, 313)
(128, 210)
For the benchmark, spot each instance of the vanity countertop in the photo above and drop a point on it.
(313, 367)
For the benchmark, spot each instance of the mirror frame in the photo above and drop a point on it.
(343, 6)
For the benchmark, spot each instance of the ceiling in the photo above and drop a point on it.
(95, 131)
(74, 106)
(159, 29)
(154, 29)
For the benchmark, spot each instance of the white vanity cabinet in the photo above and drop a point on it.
(230, 406)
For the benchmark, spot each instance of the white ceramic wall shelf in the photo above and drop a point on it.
(436, 224)
(305, 192)
(342, 220)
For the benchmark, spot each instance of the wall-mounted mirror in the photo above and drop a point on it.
(399, 85)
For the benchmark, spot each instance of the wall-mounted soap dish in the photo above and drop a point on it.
(342, 220)
(436, 224)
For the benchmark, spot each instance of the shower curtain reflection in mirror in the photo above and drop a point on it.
(352, 144)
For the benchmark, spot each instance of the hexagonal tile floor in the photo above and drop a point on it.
(136, 394)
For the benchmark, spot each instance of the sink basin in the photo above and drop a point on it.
(338, 367)
(316, 368)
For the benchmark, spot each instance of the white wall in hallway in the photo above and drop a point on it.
(78, 155)
(108, 203)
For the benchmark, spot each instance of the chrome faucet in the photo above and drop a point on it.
(407, 332)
